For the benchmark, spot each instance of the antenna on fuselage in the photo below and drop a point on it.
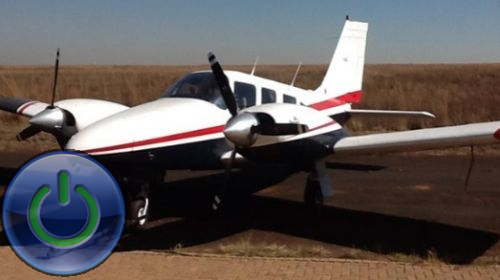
(296, 74)
(254, 66)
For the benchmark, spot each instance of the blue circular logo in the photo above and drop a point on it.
(63, 213)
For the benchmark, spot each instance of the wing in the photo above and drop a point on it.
(389, 113)
(422, 139)
(22, 106)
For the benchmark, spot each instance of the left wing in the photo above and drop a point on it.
(22, 106)
(422, 139)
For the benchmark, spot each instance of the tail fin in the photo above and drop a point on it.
(344, 76)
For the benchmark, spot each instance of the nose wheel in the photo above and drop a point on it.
(138, 205)
(139, 213)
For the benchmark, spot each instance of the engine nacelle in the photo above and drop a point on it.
(88, 111)
(272, 123)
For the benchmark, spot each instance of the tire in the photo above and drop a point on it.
(138, 214)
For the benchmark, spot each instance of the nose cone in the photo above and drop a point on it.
(50, 118)
(239, 129)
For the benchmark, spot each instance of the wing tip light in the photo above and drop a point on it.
(497, 134)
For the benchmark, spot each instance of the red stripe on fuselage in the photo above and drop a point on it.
(179, 136)
(351, 97)
(322, 126)
(163, 139)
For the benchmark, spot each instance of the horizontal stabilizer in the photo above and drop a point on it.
(389, 114)
(421, 139)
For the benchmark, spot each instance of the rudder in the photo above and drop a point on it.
(344, 76)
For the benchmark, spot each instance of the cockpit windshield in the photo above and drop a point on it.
(197, 85)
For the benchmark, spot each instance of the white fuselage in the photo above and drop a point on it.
(173, 123)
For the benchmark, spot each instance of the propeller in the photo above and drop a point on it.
(54, 84)
(27, 133)
(223, 83)
(242, 128)
(54, 120)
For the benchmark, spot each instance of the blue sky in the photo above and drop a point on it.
(279, 32)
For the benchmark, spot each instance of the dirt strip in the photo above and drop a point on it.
(150, 265)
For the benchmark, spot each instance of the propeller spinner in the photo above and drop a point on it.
(54, 120)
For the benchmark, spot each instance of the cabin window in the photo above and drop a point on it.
(289, 99)
(245, 94)
(268, 96)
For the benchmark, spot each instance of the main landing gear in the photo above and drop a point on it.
(318, 186)
(313, 197)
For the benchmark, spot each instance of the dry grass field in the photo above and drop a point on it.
(455, 93)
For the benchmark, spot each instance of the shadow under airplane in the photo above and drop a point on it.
(190, 199)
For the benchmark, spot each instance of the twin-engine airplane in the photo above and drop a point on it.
(223, 120)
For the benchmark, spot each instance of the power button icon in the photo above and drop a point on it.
(34, 209)
(63, 213)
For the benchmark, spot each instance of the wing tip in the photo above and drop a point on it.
(429, 114)
(497, 134)
(12, 104)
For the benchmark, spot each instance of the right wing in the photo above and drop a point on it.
(421, 139)
(389, 113)
(22, 106)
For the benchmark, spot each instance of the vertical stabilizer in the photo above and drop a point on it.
(344, 76)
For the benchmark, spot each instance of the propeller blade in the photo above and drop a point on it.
(54, 85)
(277, 129)
(223, 190)
(223, 83)
(27, 133)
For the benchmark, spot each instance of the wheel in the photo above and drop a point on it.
(138, 213)
(313, 196)
(136, 192)
(138, 201)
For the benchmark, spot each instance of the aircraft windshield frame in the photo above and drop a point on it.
(201, 85)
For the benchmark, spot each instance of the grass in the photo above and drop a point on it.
(246, 248)
(431, 258)
(457, 94)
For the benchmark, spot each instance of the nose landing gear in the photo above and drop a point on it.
(139, 213)
(138, 204)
